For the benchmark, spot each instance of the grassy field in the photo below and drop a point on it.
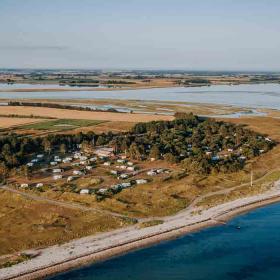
(30, 224)
(59, 125)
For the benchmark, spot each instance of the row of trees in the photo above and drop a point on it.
(58, 106)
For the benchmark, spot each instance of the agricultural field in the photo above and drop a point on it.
(60, 124)
(8, 122)
(80, 115)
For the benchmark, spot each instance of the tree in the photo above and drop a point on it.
(134, 151)
(63, 149)
(3, 172)
(155, 152)
(170, 158)
(47, 145)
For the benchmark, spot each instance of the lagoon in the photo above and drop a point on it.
(249, 95)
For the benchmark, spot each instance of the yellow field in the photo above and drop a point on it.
(11, 122)
(72, 114)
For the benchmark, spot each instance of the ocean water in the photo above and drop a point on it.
(252, 96)
(217, 253)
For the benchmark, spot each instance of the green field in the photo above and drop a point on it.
(61, 124)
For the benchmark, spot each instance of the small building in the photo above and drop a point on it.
(215, 158)
(93, 159)
(77, 155)
(130, 163)
(70, 178)
(57, 177)
(151, 173)
(121, 161)
(30, 164)
(123, 176)
(67, 160)
(141, 181)
(24, 185)
(34, 160)
(53, 163)
(131, 168)
(102, 191)
(57, 170)
(116, 187)
(268, 139)
(160, 170)
(107, 163)
(126, 185)
(77, 172)
(84, 191)
(114, 172)
(88, 167)
(39, 185)
(40, 156)
(104, 152)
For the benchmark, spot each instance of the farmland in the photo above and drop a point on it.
(80, 115)
(60, 125)
(7, 122)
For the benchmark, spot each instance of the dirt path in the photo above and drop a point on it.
(192, 207)
(61, 203)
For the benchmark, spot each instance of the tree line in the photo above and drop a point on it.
(59, 106)
(199, 144)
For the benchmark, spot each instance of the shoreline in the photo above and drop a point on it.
(124, 239)
(117, 88)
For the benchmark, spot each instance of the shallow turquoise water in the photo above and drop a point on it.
(218, 253)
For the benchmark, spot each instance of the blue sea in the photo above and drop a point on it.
(218, 253)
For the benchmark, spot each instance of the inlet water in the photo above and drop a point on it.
(252, 96)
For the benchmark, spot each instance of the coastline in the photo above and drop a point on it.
(80, 252)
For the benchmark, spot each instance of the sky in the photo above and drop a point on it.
(141, 34)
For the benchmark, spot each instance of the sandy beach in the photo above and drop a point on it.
(89, 249)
